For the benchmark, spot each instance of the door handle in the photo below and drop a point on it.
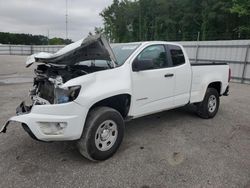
(168, 75)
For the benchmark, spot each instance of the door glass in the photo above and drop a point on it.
(156, 53)
(176, 55)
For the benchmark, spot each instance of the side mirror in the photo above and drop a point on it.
(139, 65)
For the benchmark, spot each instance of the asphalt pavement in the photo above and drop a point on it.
(170, 149)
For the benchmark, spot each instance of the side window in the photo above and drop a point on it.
(176, 55)
(156, 53)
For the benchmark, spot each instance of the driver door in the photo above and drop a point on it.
(153, 89)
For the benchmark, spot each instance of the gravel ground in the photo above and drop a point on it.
(169, 149)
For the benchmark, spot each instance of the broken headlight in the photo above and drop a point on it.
(64, 95)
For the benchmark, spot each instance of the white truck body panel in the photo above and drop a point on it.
(150, 92)
(202, 76)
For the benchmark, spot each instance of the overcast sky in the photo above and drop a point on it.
(39, 16)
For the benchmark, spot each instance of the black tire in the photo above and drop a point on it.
(96, 121)
(203, 109)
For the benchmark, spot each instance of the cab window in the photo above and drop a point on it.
(156, 53)
(177, 55)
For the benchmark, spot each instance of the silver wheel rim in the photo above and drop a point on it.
(106, 135)
(212, 102)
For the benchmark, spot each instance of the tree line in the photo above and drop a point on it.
(172, 20)
(28, 39)
(176, 20)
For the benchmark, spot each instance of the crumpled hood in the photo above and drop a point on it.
(94, 47)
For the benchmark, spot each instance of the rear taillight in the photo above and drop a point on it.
(229, 75)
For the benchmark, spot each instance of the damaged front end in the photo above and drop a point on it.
(48, 89)
(77, 59)
(53, 114)
(48, 84)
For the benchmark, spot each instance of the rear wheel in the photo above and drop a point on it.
(102, 135)
(208, 108)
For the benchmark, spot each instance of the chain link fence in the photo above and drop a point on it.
(27, 49)
(235, 52)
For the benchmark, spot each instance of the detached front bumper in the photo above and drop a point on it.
(55, 122)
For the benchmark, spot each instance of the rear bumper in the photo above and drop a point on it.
(70, 115)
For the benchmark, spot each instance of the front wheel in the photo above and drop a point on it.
(208, 108)
(102, 135)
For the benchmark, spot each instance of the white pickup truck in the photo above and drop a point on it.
(86, 91)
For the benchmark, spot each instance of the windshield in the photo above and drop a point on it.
(121, 51)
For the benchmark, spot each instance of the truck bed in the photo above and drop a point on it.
(203, 73)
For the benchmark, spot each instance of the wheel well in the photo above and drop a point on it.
(215, 85)
(121, 103)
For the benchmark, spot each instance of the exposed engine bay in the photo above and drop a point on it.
(83, 57)
(49, 79)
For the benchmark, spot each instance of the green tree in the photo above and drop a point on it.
(28, 39)
(141, 20)
(59, 41)
(241, 7)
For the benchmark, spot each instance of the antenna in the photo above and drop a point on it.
(66, 19)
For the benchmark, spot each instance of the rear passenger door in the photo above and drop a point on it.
(183, 75)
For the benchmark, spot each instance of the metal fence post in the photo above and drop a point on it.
(9, 49)
(245, 64)
(197, 52)
(31, 49)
